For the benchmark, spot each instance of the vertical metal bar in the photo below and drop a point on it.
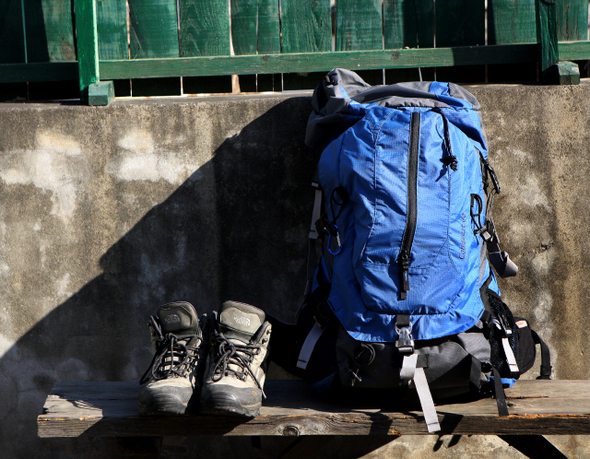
(87, 45)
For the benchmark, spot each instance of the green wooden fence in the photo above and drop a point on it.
(94, 42)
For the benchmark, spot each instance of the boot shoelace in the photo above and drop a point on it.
(234, 358)
(173, 357)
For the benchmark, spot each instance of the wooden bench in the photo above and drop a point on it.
(109, 409)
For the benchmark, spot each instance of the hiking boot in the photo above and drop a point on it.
(172, 381)
(237, 361)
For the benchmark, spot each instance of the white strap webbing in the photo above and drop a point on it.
(315, 214)
(408, 368)
(409, 372)
(308, 345)
(428, 409)
(510, 358)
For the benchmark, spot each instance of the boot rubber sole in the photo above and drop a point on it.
(228, 404)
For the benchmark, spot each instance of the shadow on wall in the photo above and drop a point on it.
(236, 229)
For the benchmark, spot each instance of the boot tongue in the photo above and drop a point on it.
(240, 321)
(179, 318)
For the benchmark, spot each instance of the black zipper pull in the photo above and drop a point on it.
(404, 261)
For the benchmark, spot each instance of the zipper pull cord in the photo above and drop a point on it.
(449, 159)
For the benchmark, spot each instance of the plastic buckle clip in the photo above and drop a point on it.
(405, 341)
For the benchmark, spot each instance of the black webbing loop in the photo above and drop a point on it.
(402, 320)
(545, 372)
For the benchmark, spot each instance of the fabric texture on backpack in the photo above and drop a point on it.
(387, 144)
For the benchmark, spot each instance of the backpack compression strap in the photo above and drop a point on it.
(411, 372)
(500, 260)
(313, 236)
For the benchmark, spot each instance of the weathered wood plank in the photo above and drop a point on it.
(255, 27)
(12, 48)
(244, 26)
(110, 409)
(153, 28)
(204, 28)
(269, 31)
(112, 29)
(316, 62)
(202, 66)
(574, 51)
(460, 23)
(306, 26)
(511, 21)
(408, 23)
(49, 31)
(42, 71)
(359, 25)
(572, 20)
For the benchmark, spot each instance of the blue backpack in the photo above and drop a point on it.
(400, 293)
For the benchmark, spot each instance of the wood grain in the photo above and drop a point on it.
(110, 409)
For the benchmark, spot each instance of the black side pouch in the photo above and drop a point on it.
(519, 335)
(526, 351)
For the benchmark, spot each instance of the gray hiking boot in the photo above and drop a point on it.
(172, 382)
(237, 361)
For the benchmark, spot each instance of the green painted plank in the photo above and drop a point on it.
(86, 31)
(547, 35)
(244, 26)
(12, 48)
(112, 29)
(269, 27)
(49, 31)
(255, 26)
(572, 20)
(43, 71)
(511, 21)
(574, 51)
(204, 28)
(408, 23)
(306, 26)
(460, 23)
(359, 25)
(317, 62)
(405, 58)
(153, 28)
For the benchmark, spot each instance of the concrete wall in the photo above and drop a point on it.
(107, 212)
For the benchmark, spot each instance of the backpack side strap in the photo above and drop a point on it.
(545, 356)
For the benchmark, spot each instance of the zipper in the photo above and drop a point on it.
(412, 205)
